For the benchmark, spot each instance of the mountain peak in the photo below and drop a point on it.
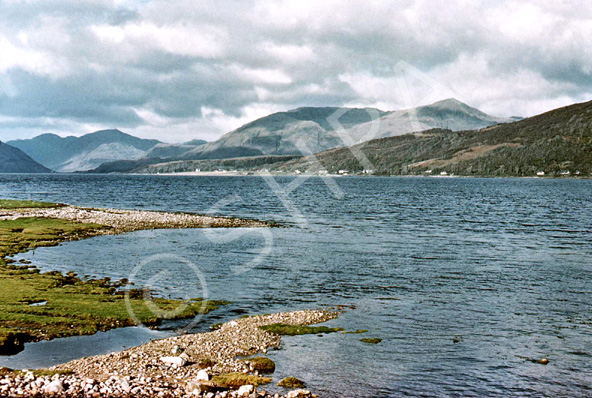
(450, 103)
(108, 133)
(85, 152)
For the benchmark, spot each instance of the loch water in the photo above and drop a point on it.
(463, 279)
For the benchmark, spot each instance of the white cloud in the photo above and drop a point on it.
(190, 69)
(199, 41)
(12, 57)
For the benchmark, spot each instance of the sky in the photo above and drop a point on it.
(178, 70)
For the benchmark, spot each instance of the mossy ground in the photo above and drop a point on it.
(235, 380)
(26, 204)
(71, 306)
(291, 382)
(261, 364)
(295, 330)
(47, 372)
(371, 340)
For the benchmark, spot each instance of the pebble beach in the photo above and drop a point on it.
(172, 367)
(120, 221)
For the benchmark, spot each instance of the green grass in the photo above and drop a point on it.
(291, 382)
(371, 341)
(47, 372)
(73, 306)
(235, 380)
(25, 204)
(295, 330)
(261, 364)
(355, 331)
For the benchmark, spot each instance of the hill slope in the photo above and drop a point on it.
(318, 129)
(84, 153)
(13, 160)
(448, 114)
(279, 133)
(173, 150)
(557, 143)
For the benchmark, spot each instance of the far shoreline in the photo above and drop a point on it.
(308, 175)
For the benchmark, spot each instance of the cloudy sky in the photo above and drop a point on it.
(177, 70)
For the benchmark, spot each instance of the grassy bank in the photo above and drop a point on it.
(36, 306)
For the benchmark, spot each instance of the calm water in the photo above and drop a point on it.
(502, 264)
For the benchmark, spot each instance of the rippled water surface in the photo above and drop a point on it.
(501, 266)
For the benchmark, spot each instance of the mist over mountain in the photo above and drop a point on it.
(13, 160)
(69, 154)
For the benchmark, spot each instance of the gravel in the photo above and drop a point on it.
(132, 220)
(141, 372)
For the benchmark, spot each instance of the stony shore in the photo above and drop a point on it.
(180, 366)
(120, 221)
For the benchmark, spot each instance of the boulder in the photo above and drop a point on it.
(299, 394)
(202, 375)
(55, 387)
(246, 390)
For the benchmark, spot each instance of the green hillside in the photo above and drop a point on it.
(556, 143)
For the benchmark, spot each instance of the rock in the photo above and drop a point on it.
(299, 394)
(291, 382)
(176, 350)
(233, 323)
(246, 390)
(174, 361)
(198, 387)
(544, 361)
(202, 375)
(124, 386)
(55, 387)
(184, 356)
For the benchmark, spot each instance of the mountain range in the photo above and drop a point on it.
(69, 154)
(13, 160)
(447, 137)
(556, 143)
(311, 130)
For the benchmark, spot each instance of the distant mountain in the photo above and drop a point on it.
(557, 143)
(449, 114)
(13, 160)
(173, 150)
(311, 130)
(279, 133)
(84, 153)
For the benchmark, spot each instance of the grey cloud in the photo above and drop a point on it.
(103, 82)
